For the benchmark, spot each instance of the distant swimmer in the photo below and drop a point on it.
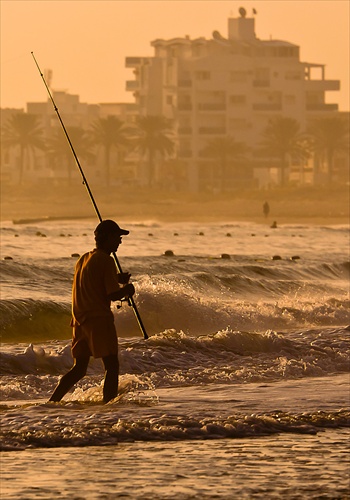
(266, 209)
(96, 283)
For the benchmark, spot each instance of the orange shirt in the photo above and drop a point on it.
(95, 278)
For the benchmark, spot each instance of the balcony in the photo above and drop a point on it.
(131, 62)
(321, 107)
(267, 107)
(321, 85)
(261, 83)
(211, 106)
(132, 85)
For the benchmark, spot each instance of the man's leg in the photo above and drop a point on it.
(72, 377)
(110, 387)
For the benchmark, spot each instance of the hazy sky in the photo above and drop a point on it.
(85, 42)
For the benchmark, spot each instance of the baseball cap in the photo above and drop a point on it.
(109, 226)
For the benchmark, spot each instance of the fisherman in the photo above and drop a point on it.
(96, 283)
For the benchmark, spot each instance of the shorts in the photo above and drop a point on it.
(96, 337)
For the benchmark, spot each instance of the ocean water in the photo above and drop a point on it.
(241, 390)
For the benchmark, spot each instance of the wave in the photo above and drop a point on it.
(88, 432)
(198, 304)
(254, 268)
(173, 358)
(196, 295)
(34, 320)
(142, 412)
(54, 270)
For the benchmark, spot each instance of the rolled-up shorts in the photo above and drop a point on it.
(96, 337)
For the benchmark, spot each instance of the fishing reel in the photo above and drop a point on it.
(120, 305)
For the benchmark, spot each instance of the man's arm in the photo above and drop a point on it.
(125, 291)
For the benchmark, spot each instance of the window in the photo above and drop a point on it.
(202, 75)
(261, 77)
(293, 75)
(290, 99)
(238, 76)
(238, 99)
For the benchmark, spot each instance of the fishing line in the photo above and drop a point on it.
(131, 301)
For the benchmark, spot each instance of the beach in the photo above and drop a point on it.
(241, 390)
(287, 206)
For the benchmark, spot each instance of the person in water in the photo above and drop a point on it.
(96, 283)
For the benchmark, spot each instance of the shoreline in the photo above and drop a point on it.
(304, 221)
(317, 206)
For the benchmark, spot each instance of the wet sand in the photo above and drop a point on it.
(285, 466)
(294, 465)
(308, 206)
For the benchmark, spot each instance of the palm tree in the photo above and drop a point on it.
(224, 149)
(330, 135)
(23, 131)
(152, 138)
(282, 139)
(60, 151)
(110, 133)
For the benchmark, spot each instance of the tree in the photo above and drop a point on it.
(282, 139)
(23, 131)
(329, 136)
(224, 149)
(60, 152)
(110, 133)
(153, 137)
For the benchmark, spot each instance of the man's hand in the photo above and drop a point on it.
(125, 291)
(128, 290)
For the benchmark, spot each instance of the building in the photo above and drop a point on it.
(210, 89)
(228, 87)
(60, 166)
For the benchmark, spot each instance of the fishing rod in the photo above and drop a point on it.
(131, 301)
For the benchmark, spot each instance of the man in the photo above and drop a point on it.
(96, 283)
(266, 208)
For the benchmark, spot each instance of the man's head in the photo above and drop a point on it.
(108, 235)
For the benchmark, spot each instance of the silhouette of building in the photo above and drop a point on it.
(228, 87)
(209, 89)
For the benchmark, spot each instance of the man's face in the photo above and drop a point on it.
(113, 242)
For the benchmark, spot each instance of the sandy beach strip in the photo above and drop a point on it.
(286, 206)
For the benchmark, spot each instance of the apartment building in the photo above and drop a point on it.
(39, 165)
(228, 86)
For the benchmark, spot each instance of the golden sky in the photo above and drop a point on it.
(85, 42)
